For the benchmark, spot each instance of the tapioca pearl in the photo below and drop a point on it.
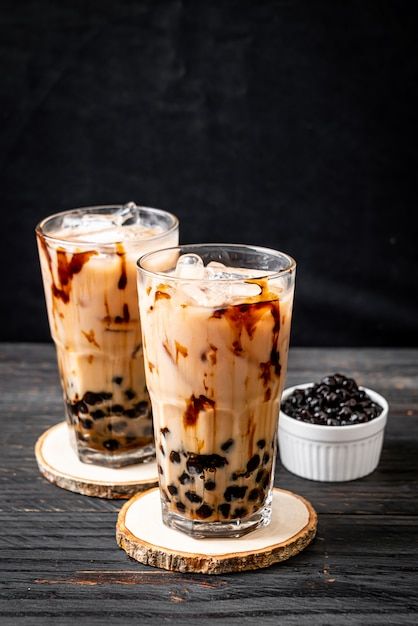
(129, 394)
(184, 478)
(210, 485)
(266, 458)
(117, 380)
(86, 423)
(164, 495)
(162, 450)
(111, 444)
(198, 463)
(261, 443)
(78, 407)
(239, 512)
(253, 463)
(204, 511)
(254, 495)
(260, 475)
(130, 439)
(180, 506)
(117, 409)
(92, 398)
(266, 481)
(164, 431)
(106, 395)
(173, 490)
(235, 492)
(227, 444)
(142, 407)
(160, 470)
(118, 427)
(175, 457)
(98, 414)
(193, 497)
(224, 508)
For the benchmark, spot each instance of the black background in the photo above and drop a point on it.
(286, 124)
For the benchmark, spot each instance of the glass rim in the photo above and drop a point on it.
(287, 270)
(39, 229)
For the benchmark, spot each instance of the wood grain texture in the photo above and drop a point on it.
(112, 491)
(222, 563)
(59, 561)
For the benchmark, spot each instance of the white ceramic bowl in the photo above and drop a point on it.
(331, 453)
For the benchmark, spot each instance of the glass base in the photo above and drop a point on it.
(213, 530)
(130, 457)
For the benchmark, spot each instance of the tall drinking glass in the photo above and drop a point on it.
(88, 261)
(216, 325)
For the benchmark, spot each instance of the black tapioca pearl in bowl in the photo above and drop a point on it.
(253, 463)
(180, 506)
(193, 497)
(111, 444)
(184, 478)
(97, 414)
(106, 395)
(117, 380)
(260, 475)
(129, 394)
(240, 512)
(210, 485)
(117, 409)
(173, 490)
(131, 413)
(204, 511)
(235, 492)
(261, 443)
(162, 450)
(164, 431)
(174, 456)
(227, 444)
(160, 470)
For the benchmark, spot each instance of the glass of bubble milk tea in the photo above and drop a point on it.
(216, 325)
(88, 261)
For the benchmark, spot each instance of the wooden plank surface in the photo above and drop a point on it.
(59, 561)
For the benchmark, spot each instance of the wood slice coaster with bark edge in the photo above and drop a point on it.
(142, 534)
(58, 463)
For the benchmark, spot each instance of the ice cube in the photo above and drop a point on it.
(123, 224)
(218, 271)
(204, 294)
(129, 214)
(190, 266)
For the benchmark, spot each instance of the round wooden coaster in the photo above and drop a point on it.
(142, 534)
(59, 463)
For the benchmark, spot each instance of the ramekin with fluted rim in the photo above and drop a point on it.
(331, 453)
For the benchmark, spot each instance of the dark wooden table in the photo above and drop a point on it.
(60, 563)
